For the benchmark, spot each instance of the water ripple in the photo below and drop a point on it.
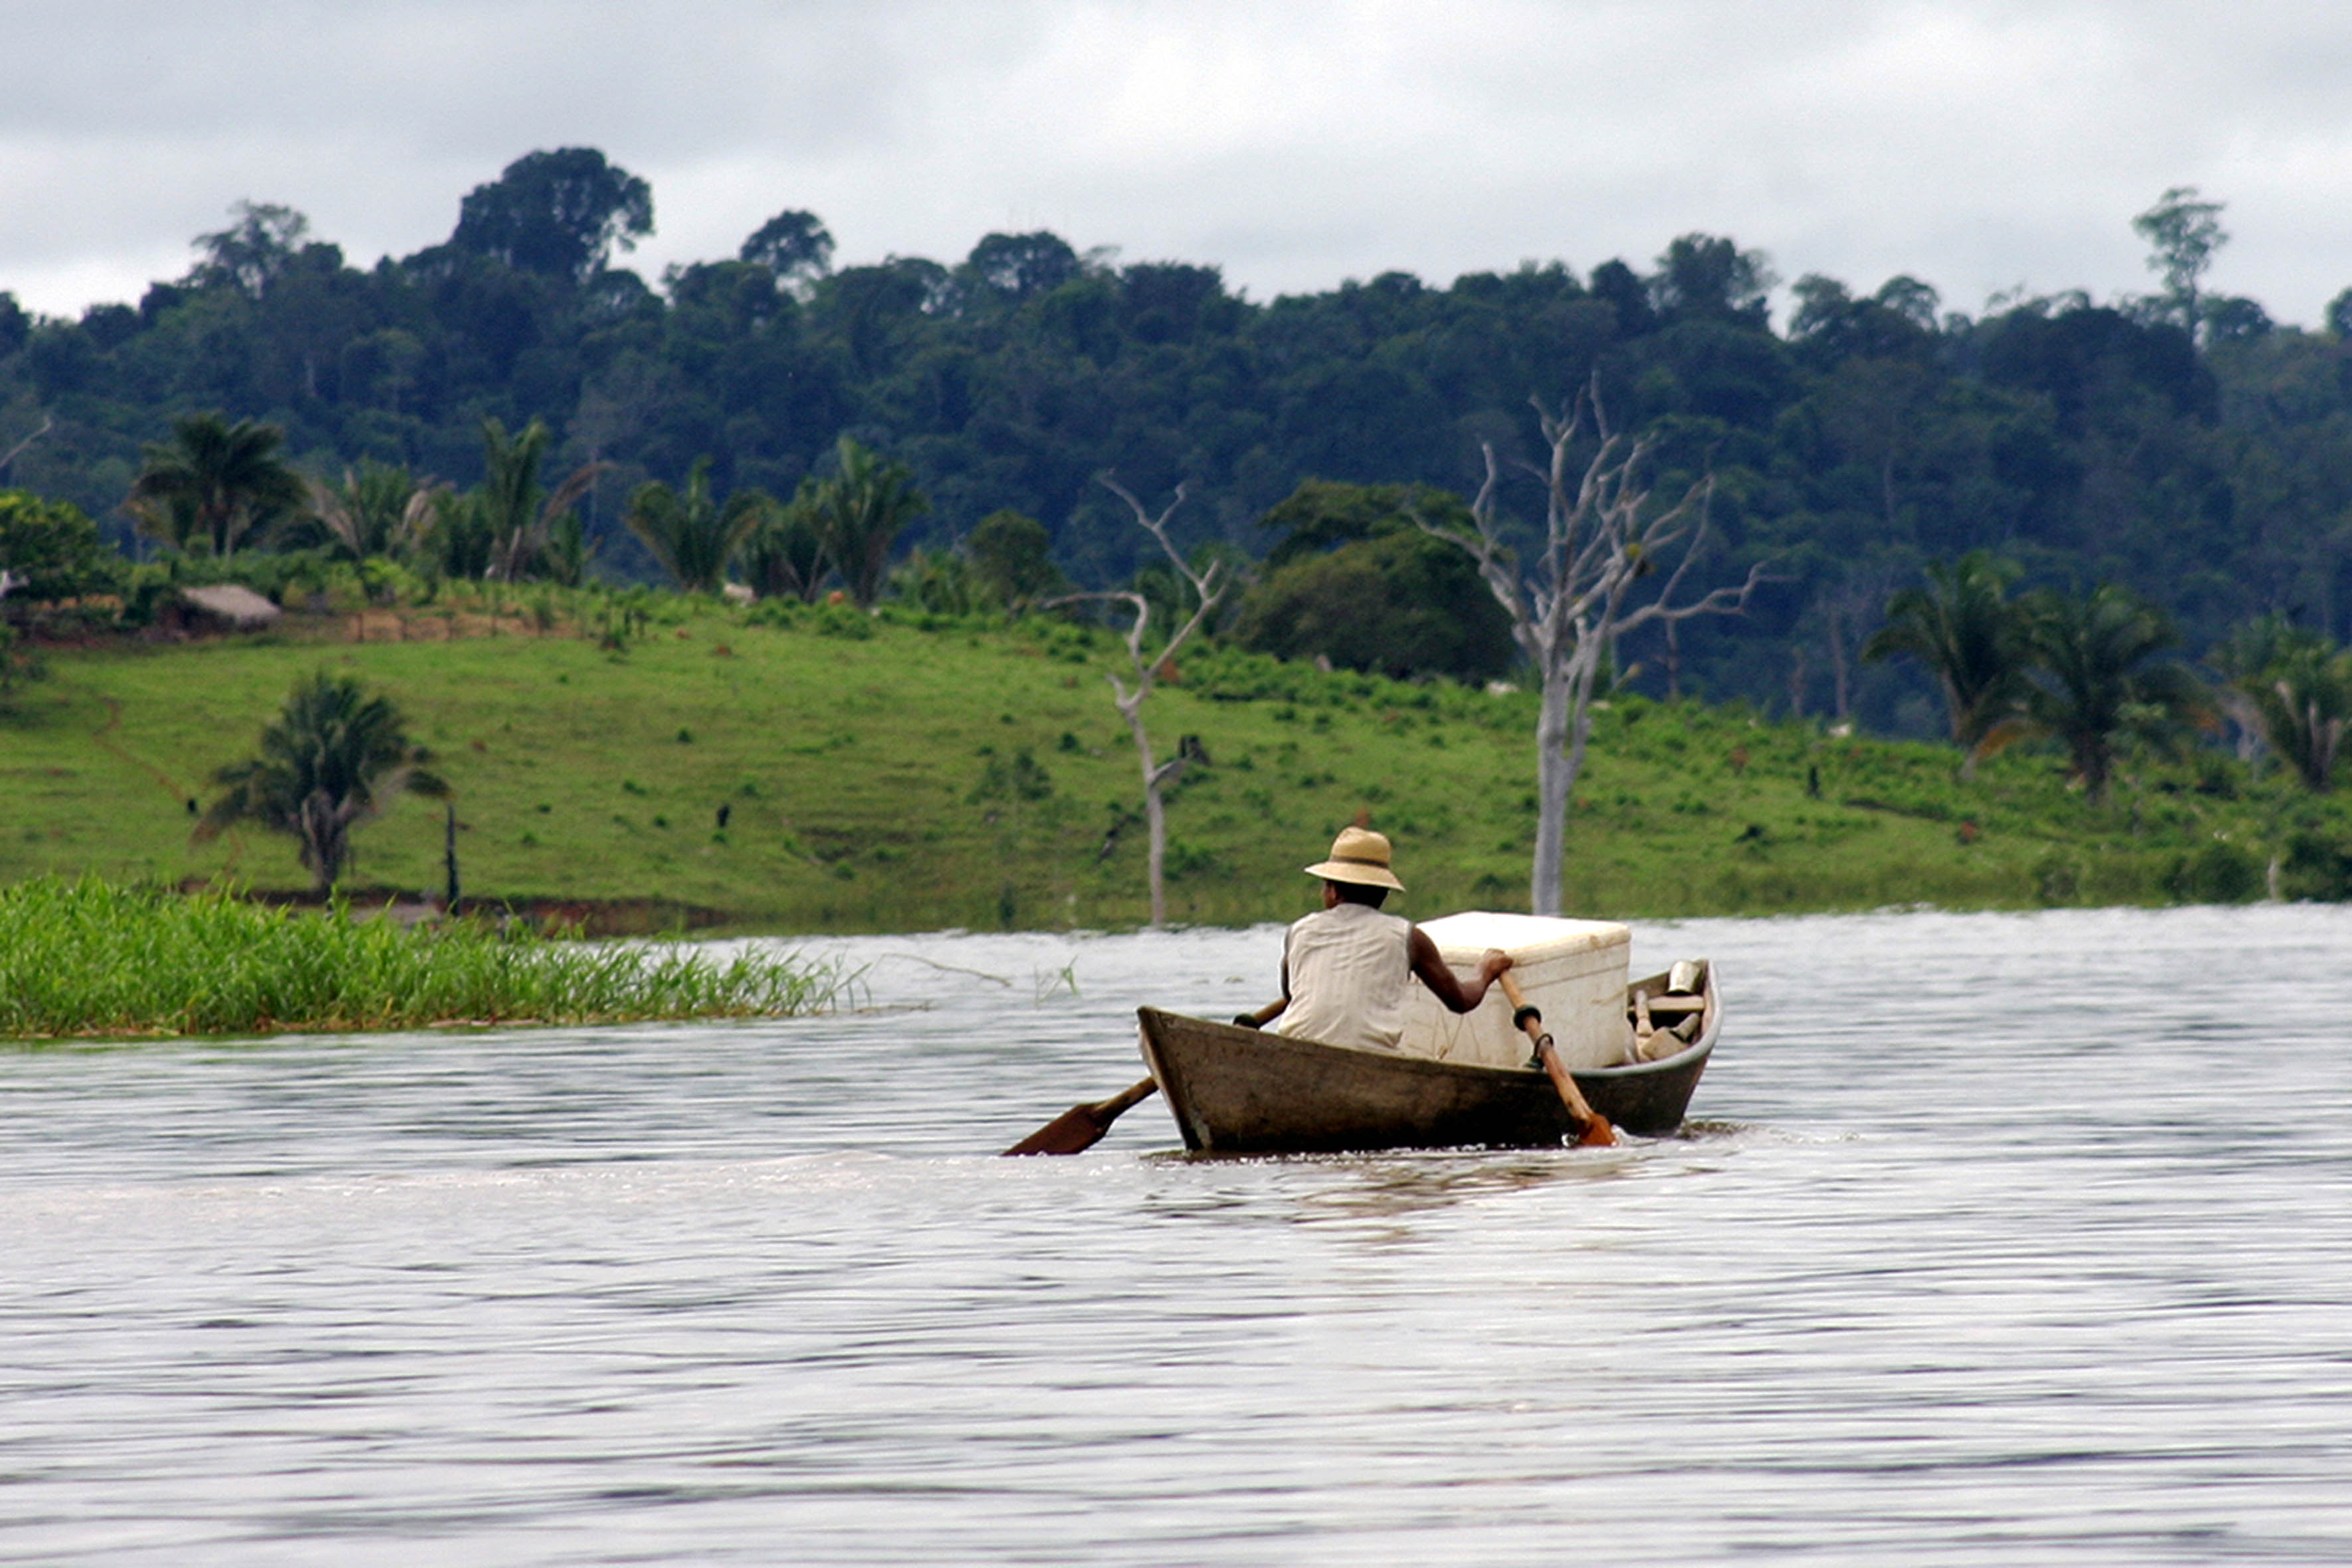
(2004, 1239)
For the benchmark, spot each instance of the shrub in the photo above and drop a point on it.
(1401, 604)
(2219, 872)
(55, 551)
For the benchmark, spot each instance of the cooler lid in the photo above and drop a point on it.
(1523, 936)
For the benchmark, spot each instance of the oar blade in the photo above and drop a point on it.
(1596, 1134)
(1082, 1126)
(1074, 1131)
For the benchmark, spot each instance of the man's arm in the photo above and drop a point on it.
(1457, 997)
(1260, 1019)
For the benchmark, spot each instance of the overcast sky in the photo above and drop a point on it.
(1978, 145)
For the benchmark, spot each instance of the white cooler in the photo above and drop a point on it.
(1575, 971)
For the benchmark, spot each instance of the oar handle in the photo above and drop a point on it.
(1522, 1016)
(1125, 1100)
(1262, 1016)
(1596, 1126)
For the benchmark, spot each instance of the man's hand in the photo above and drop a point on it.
(1491, 965)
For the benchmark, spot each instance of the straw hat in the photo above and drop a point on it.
(1358, 855)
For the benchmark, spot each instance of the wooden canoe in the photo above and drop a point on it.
(1244, 1091)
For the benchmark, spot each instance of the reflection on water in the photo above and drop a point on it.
(2002, 1239)
(1411, 1182)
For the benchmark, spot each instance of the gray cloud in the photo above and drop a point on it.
(1977, 145)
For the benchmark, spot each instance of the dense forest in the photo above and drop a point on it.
(2179, 444)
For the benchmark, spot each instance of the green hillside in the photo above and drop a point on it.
(900, 774)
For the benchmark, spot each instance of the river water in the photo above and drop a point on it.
(1998, 1239)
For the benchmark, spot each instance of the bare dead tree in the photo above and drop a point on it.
(1835, 627)
(1146, 666)
(17, 450)
(1840, 613)
(9, 582)
(1604, 533)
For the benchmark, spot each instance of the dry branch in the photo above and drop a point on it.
(1208, 587)
(1603, 534)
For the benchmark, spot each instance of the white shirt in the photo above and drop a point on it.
(1349, 968)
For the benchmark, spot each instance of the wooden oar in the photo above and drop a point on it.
(1597, 1133)
(1082, 1127)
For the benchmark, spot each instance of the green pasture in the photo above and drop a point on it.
(922, 776)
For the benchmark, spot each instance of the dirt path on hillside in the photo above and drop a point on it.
(164, 781)
(113, 707)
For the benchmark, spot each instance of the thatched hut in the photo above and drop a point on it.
(221, 607)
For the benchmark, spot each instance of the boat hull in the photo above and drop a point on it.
(1244, 1091)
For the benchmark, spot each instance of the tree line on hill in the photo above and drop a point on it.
(2180, 445)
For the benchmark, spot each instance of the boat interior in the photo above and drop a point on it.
(1667, 1012)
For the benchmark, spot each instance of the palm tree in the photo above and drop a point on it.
(500, 530)
(692, 535)
(2293, 688)
(565, 557)
(328, 763)
(2101, 690)
(785, 553)
(214, 483)
(861, 512)
(517, 514)
(1964, 628)
(458, 534)
(379, 509)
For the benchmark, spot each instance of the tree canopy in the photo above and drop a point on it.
(1356, 581)
(51, 549)
(2192, 450)
(557, 213)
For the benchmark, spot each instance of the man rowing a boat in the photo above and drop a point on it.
(1347, 967)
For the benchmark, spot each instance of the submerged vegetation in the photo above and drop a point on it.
(93, 959)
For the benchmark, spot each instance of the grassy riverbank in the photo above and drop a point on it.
(838, 773)
(92, 959)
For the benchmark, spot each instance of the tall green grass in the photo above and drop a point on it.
(95, 959)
